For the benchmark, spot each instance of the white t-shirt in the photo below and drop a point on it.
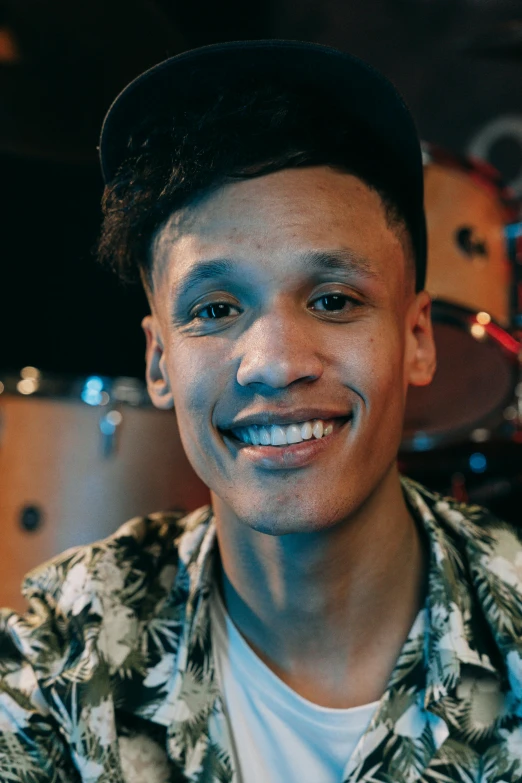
(278, 736)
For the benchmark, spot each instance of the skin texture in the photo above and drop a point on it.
(322, 566)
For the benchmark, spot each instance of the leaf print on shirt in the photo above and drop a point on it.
(120, 629)
(481, 705)
(196, 695)
(100, 721)
(76, 590)
(118, 635)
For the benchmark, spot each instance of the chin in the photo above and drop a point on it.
(292, 520)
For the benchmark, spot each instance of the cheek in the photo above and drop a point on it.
(192, 389)
(198, 383)
(193, 407)
(376, 362)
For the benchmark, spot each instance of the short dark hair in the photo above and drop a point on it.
(246, 132)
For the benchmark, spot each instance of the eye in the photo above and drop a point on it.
(335, 302)
(217, 310)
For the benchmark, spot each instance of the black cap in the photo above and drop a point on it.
(361, 92)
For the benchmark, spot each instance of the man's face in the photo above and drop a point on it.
(314, 309)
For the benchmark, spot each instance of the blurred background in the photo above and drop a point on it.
(458, 64)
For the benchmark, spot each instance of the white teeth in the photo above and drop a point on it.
(317, 428)
(279, 436)
(293, 434)
(306, 431)
(264, 436)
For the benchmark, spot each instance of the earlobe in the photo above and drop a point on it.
(422, 360)
(158, 384)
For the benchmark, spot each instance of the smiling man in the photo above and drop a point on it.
(324, 620)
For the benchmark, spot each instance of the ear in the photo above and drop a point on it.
(420, 356)
(158, 383)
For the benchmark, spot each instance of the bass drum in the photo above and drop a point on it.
(78, 457)
(470, 277)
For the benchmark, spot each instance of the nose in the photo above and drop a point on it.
(278, 350)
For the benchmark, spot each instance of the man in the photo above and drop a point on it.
(323, 620)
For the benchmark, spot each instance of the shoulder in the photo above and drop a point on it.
(490, 541)
(91, 610)
(489, 551)
(492, 545)
(142, 554)
(118, 582)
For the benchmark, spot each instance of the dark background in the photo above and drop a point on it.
(63, 64)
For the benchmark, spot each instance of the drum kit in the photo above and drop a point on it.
(463, 433)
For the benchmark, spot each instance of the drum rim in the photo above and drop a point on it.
(463, 317)
(485, 175)
(456, 314)
(93, 390)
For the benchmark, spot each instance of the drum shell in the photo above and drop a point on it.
(471, 279)
(479, 281)
(53, 459)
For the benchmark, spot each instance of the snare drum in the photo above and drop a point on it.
(470, 278)
(78, 457)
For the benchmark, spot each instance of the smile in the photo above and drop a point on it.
(280, 435)
(285, 447)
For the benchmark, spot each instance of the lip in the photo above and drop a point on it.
(283, 418)
(295, 455)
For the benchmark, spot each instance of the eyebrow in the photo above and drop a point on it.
(312, 261)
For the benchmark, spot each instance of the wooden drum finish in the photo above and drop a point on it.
(468, 262)
(471, 281)
(72, 473)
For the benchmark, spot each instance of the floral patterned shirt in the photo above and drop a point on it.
(109, 677)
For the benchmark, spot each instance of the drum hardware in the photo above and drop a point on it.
(109, 423)
(31, 518)
(472, 246)
(474, 277)
(513, 234)
(467, 344)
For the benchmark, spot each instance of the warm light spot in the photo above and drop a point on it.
(478, 331)
(115, 418)
(2, 387)
(483, 318)
(30, 373)
(27, 385)
(480, 435)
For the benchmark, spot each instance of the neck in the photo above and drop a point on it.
(328, 612)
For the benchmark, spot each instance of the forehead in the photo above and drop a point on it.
(275, 221)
